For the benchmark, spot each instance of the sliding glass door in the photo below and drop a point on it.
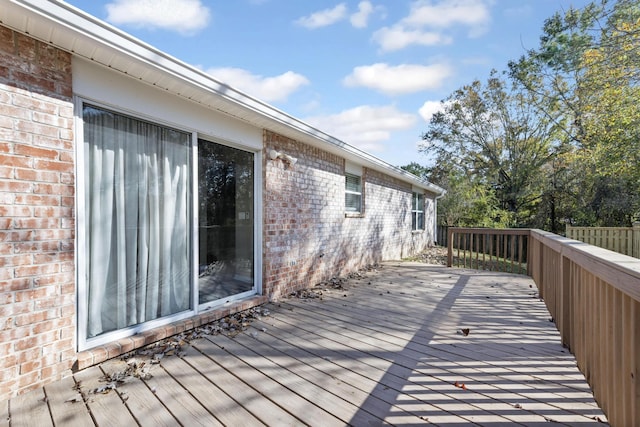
(226, 221)
(137, 231)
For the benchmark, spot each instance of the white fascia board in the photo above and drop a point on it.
(84, 27)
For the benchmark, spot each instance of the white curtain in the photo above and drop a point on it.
(137, 220)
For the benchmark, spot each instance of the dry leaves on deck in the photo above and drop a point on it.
(334, 283)
(140, 362)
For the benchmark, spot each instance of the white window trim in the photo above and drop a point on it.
(415, 210)
(358, 193)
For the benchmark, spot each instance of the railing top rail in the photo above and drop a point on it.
(513, 231)
(621, 271)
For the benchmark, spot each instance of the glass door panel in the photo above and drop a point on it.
(226, 226)
(137, 221)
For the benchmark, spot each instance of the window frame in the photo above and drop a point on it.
(359, 193)
(418, 211)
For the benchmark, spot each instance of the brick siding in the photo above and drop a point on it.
(307, 237)
(37, 271)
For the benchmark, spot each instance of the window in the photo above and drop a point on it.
(353, 193)
(417, 211)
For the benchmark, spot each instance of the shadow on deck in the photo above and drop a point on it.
(390, 347)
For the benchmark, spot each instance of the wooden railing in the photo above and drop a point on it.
(593, 295)
(624, 240)
(488, 249)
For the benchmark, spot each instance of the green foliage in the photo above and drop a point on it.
(417, 169)
(493, 144)
(558, 138)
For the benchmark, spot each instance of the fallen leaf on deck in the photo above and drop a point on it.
(105, 388)
(464, 331)
(460, 385)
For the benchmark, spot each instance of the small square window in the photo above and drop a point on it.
(353, 193)
(417, 211)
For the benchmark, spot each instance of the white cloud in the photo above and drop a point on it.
(324, 17)
(429, 108)
(447, 13)
(183, 16)
(400, 79)
(269, 89)
(365, 127)
(428, 21)
(398, 37)
(361, 17)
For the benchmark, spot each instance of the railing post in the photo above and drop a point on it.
(449, 246)
(635, 235)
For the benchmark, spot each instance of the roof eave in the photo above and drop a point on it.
(81, 34)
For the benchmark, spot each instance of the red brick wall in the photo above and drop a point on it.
(307, 238)
(37, 285)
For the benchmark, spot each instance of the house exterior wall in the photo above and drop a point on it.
(37, 286)
(307, 236)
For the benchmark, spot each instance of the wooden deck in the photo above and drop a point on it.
(389, 348)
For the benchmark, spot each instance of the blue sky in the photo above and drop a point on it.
(370, 73)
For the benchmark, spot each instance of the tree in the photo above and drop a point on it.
(586, 74)
(418, 170)
(493, 136)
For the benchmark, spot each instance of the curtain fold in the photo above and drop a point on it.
(137, 220)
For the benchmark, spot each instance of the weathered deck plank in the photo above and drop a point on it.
(140, 400)
(217, 402)
(293, 401)
(354, 372)
(4, 413)
(387, 349)
(334, 404)
(30, 410)
(180, 402)
(107, 409)
(66, 403)
(264, 409)
(316, 370)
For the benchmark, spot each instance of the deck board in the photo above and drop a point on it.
(385, 349)
(316, 393)
(256, 372)
(107, 409)
(316, 370)
(140, 400)
(264, 409)
(218, 403)
(30, 409)
(356, 373)
(180, 402)
(4, 413)
(66, 403)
